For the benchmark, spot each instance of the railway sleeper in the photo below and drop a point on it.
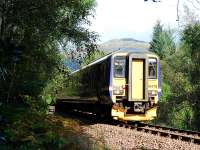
(187, 139)
(174, 136)
(196, 141)
(155, 132)
(164, 134)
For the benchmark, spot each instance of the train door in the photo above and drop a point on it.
(137, 78)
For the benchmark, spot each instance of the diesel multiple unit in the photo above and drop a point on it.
(124, 84)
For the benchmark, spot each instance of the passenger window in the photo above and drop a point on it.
(119, 66)
(152, 68)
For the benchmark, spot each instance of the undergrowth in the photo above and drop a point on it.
(25, 129)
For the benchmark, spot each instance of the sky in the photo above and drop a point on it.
(116, 19)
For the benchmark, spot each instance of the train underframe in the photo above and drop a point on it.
(124, 111)
(135, 111)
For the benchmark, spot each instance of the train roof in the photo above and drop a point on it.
(96, 61)
(125, 50)
(134, 50)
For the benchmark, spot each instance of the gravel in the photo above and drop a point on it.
(118, 138)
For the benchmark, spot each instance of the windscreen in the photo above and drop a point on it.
(119, 66)
(152, 68)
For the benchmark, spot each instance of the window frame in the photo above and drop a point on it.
(156, 75)
(124, 71)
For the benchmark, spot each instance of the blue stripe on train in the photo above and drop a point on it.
(110, 77)
(159, 82)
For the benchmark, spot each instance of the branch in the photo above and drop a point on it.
(194, 4)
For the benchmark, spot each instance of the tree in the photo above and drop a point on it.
(191, 38)
(31, 36)
(180, 72)
(92, 56)
(162, 42)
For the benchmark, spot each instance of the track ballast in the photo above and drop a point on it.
(173, 133)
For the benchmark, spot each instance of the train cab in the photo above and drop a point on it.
(135, 85)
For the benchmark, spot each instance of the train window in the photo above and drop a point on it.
(119, 66)
(152, 68)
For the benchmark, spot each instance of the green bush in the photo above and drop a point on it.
(181, 116)
(166, 92)
(178, 106)
(26, 129)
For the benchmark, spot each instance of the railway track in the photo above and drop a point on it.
(183, 135)
(178, 134)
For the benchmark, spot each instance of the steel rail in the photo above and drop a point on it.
(173, 133)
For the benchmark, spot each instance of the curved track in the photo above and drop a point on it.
(183, 135)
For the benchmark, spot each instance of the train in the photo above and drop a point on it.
(124, 85)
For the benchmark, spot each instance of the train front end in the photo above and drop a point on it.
(135, 86)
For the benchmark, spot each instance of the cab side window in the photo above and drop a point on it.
(152, 68)
(119, 66)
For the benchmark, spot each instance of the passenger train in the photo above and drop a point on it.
(124, 85)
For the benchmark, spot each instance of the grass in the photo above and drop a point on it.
(26, 129)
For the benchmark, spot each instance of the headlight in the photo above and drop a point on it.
(152, 93)
(117, 90)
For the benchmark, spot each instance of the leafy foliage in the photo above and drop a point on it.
(33, 37)
(162, 42)
(166, 92)
(32, 34)
(179, 106)
(94, 55)
(181, 116)
(190, 38)
(26, 128)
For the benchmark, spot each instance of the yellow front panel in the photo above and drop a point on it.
(118, 82)
(153, 86)
(137, 79)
